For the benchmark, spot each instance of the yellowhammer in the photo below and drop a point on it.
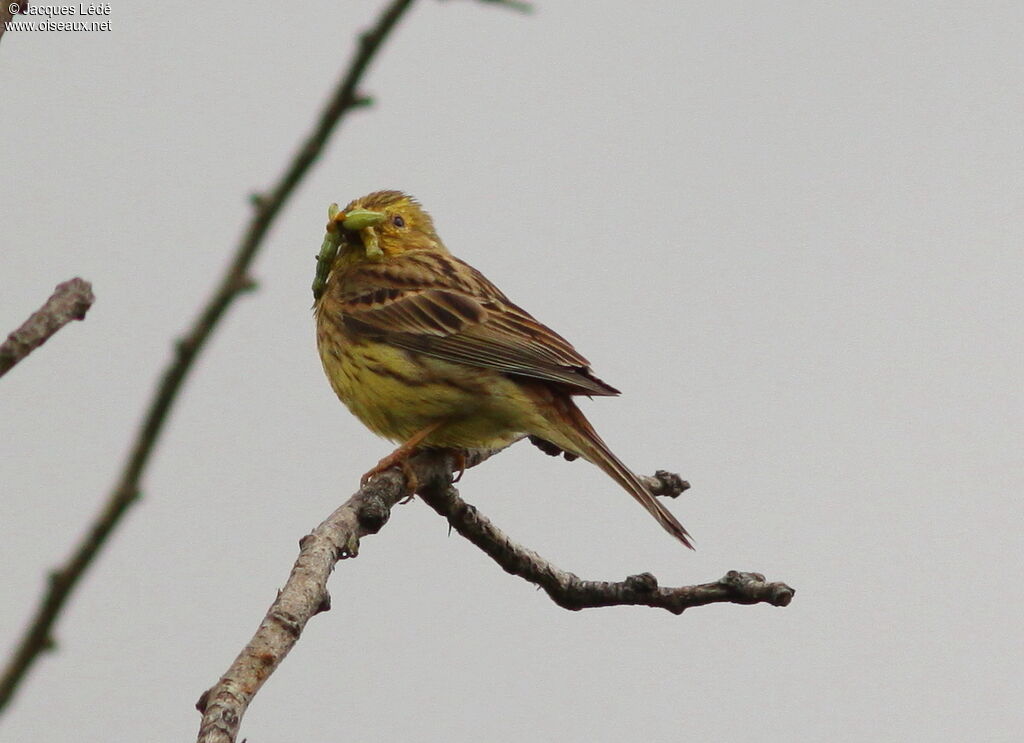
(427, 352)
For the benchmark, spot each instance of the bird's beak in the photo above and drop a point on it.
(360, 219)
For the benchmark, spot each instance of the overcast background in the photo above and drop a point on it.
(790, 233)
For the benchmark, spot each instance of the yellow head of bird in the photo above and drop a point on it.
(382, 225)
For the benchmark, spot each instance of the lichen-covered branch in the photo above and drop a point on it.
(305, 593)
(69, 301)
(37, 637)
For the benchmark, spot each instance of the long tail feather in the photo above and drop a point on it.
(587, 444)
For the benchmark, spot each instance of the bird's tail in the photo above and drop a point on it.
(586, 443)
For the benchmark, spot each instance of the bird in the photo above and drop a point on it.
(428, 353)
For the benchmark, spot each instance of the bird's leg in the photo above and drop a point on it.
(399, 457)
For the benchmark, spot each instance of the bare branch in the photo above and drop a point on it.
(70, 301)
(235, 281)
(571, 592)
(305, 593)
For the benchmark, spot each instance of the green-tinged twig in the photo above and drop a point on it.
(38, 635)
(70, 301)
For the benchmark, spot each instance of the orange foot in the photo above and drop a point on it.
(400, 458)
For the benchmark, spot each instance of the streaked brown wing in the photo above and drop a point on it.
(467, 321)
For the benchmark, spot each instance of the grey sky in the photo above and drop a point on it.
(791, 233)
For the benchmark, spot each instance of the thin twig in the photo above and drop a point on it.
(235, 281)
(70, 301)
(519, 5)
(571, 592)
(305, 593)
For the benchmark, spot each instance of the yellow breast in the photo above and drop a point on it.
(396, 393)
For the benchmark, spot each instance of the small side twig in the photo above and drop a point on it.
(235, 281)
(571, 592)
(519, 5)
(70, 301)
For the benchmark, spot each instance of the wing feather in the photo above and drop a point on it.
(465, 320)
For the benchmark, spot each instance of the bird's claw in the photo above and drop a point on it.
(459, 464)
(395, 459)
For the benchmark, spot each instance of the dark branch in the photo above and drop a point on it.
(305, 593)
(571, 592)
(70, 301)
(235, 281)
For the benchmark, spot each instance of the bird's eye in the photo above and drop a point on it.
(397, 221)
